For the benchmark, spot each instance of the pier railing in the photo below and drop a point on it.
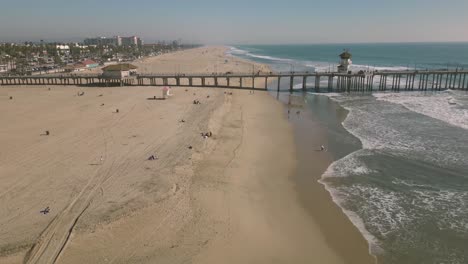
(317, 81)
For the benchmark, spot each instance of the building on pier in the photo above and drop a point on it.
(345, 62)
(73, 68)
(119, 71)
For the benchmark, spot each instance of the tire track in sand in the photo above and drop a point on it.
(54, 238)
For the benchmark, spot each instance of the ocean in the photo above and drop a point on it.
(401, 159)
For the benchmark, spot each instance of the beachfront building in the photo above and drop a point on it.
(3, 68)
(89, 64)
(81, 66)
(119, 71)
(345, 62)
(74, 68)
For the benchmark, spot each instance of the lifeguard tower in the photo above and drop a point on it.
(345, 62)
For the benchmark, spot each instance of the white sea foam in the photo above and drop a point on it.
(446, 106)
(387, 211)
(349, 165)
(357, 67)
(268, 57)
(330, 95)
(323, 84)
(236, 51)
(449, 206)
(326, 67)
(380, 126)
(387, 127)
(317, 65)
(374, 245)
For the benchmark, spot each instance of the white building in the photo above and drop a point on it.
(62, 49)
(114, 41)
(119, 71)
(345, 62)
(3, 67)
(130, 41)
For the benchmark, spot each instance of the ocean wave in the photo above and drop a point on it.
(448, 106)
(264, 57)
(390, 218)
(323, 84)
(330, 95)
(386, 211)
(369, 120)
(386, 208)
(349, 165)
(318, 66)
(332, 67)
(356, 67)
(237, 51)
(337, 197)
(234, 50)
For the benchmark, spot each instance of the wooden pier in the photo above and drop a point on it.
(430, 80)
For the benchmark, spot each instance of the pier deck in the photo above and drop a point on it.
(434, 80)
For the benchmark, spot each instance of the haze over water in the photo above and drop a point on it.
(406, 188)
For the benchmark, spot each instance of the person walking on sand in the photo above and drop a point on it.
(322, 148)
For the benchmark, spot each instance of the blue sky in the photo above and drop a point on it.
(238, 22)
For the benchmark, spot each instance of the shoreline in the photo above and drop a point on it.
(338, 229)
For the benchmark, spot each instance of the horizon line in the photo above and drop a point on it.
(351, 43)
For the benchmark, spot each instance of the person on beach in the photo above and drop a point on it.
(322, 148)
(45, 211)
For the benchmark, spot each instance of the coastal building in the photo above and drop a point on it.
(345, 62)
(3, 68)
(81, 66)
(62, 49)
(130, 41)
(74, 68)
(89, 64)
(119, 71)
(114, 41)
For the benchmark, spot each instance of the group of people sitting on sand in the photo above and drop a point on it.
(196, 102)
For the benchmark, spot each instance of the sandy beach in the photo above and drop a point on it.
(229, 198)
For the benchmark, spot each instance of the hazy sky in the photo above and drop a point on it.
(237, 21)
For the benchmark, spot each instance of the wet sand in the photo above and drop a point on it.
(310, 133)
